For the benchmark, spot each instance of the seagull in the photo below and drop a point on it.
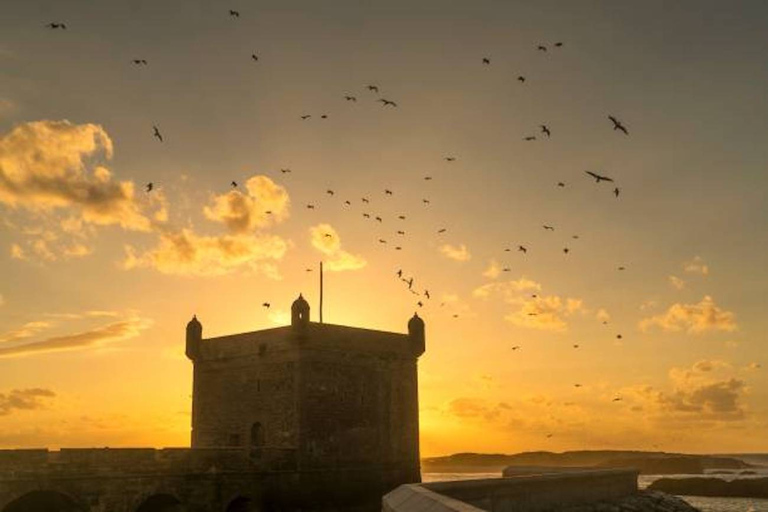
(401, 217)
(486, 60)
(388, 192)
(254, 57)
(401, 232)
(57, 25)
(522, 248)
(516, 347)
(365, 200)
(329, 192)
(399, 273)
(425, 201)
(617, 399)
(347, 203)
(521, 79)
(566, 250)
(550, 228)
(426, 294)
(529, 138)
(577, 385)
(427, 178)
(618, 126)
(350, 98)
(139, 62)
(560, 184)
(310, 207)
(284, 171)
(373, 88)
(379, 219)
(234, 184)
(549, 436)
(622, 268)
(367, 215)
(157, 133)
(558, 45)
(305, 117)
(450, 159)
(506, 269)
(308, 270)
(598, 178)
(266, 305)
(234, 14)
(616, 191)
(410, 283)
(328, 235)
(542, 48)
(324, 116)
(387, 102)
(442, 230)
(575, 346)
(619, 336)
(420, 304)
(545, 130)
(150, 186)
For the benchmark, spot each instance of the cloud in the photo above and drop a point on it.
(185, 253)
(676, 282)
(509, 290)
(24, 400)
(493, 271)
(545, 313)
(696, 266)
(456, 253)
(693, 318)
(326, 240)
(47, 165)
(476, 408)
(27, 330)
(99, 336)
(245, 211)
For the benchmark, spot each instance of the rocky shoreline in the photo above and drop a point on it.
(643, 501)
(713, 487)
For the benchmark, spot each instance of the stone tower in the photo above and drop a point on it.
(312, 396)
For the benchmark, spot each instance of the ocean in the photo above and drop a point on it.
(705, 504)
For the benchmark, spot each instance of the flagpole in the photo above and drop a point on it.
(321, 292)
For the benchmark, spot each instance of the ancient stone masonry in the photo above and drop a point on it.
(309, 416)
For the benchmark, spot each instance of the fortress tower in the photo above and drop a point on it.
(311, 396)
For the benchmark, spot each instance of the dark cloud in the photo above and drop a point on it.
(24, 400)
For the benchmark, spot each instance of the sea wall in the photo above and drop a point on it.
(583, 491)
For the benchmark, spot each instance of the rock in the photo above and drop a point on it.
(744, 488)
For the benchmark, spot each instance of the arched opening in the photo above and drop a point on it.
(257, 435)
(161, 503)
(44, 501)
(241, 504)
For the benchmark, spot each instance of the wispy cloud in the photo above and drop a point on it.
(456, 252)
(676, 282)
(24, 400)
(27, 330)
(696, 266)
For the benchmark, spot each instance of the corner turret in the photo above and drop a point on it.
(416, 333)
(194, 337)
(299, 313)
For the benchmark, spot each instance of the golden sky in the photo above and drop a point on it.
(99, 276)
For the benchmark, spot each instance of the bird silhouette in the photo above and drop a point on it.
(541, 48)
(506, 269)
(401, 217)
(619, 336)
(529, 138)
(442, 230)
(560, 184)
(350, 98)
(327, 235)
(617, 399)
(616, 191)
(401, 232)
(379, 219)
(617, 125)
(486, 60)
(545, 130)
(575, 346)
(577, 385)
(387, 103)
(149, 186)
(427, 178)
(410, 283)
(426, 294)
(399, 273)
(450, 159)
(522, 248)
(285, 171)
(266, 305)
(387, 192)
(324, 116)
(425, 201)
(254, 57)
(310, 207)
(306, 116)
(516, 347)
(367, 215)
(558, 44)
(348, 203)
(566, 250)
(157, 133)
(54, 26)
(420, 304)
(329, 192)
(365, 200)
(139, 62)
(598, 178)
(373, 88)
(234, 14)
(549, 228)
(521, 79)
(622, 268)
(233, 183)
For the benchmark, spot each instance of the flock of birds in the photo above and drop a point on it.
(409, 282)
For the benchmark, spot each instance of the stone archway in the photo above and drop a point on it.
(161, 503)
(241, 504)
(44, 501)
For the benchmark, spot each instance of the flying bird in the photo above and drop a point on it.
(560, 184)
(284, 171)
(486, 60)
(442, 230)
(529, 138)
(541, 48)
(426, 294)
(618, 126)
(140, 62)
(324, 116)
(266, 305)
(401, 217)
(54, 26)
(373, 88)
(305, 117)
(310, 207)
(367, 215)
(566, 250)
(410, 283)
(427, 178)
(598, 178)
(401, 232)
(616, 191)
(521, 79)
(347, 203)
(577, 385)
(617, 399)
(387, 102)
(157, 133)
(550, 228)
(420, 304)
(399, 273)
(575, 346)
(233, 183)
(379, 219)
(425, 201)
(365, 200)
(522, 248)
(234, 14)
(516, 347)
(254, 57)
(388, 192)
(545, 130)
(450, 159)
(558, 44)
(622, 268)
(350, 98)
(150, 186)
(327, 235)
(619, 336)
(329, 192)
